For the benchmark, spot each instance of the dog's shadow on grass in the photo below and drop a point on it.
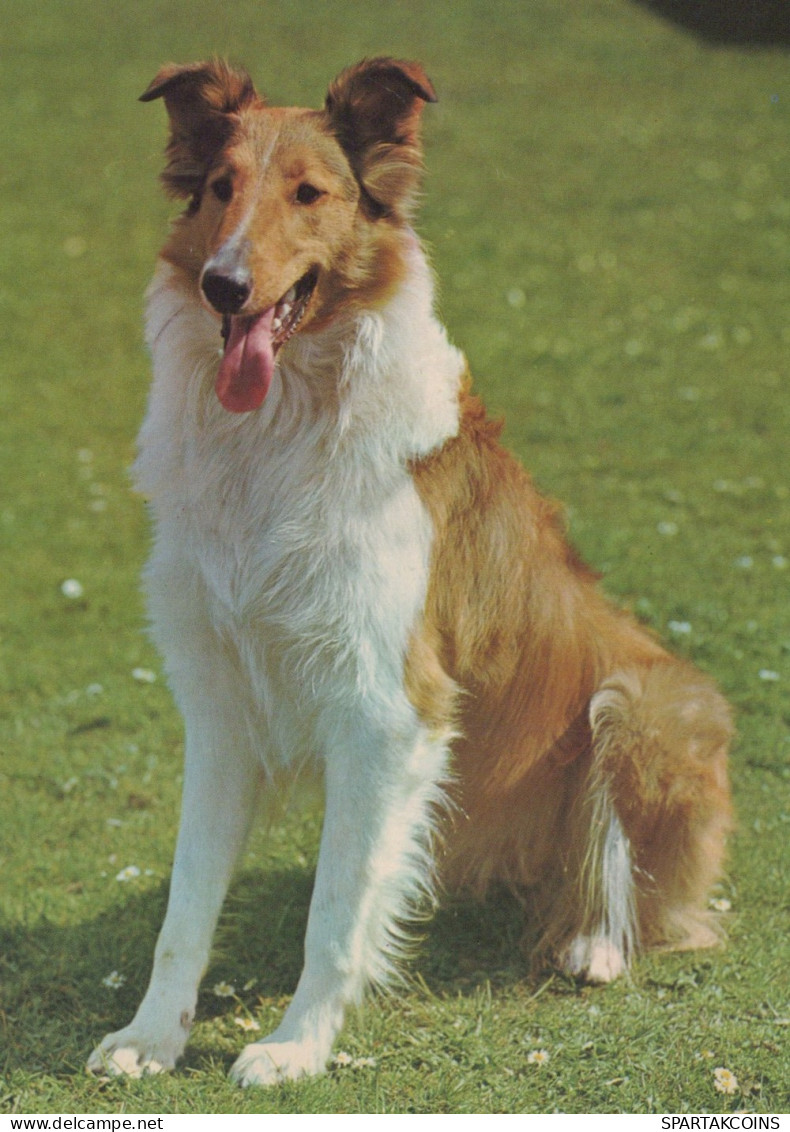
(63, 987)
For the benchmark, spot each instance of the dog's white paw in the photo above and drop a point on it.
(132, 1053)
(595, 959)
(269, 1063)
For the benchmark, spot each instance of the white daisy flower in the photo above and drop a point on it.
(537, 1057)
(725, 1081)
(720, 904)
(247, 1024)
(129, 873)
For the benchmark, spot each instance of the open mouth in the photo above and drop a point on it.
(291, 308)
(288, 312)
(252, 343)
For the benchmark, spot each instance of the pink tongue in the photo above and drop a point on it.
(246, 369)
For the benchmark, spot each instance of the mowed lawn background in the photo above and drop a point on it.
(608, 209)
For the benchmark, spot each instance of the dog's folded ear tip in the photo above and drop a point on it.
(422, 85)
(159, 84)
(213, 87)
(425, 91)
(382, 70)
(151, 91)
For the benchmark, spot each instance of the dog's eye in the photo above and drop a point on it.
(222, 189)
(307, 193)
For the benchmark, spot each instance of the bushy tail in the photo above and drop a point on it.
(660, 742)
(647, 834)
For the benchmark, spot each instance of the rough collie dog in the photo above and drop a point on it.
(349, 572)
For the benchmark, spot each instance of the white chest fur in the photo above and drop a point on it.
(294, 536)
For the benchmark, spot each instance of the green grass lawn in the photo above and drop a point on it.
(608, 209)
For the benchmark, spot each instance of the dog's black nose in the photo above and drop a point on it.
(226, 293)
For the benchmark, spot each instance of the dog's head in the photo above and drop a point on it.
(293, 215)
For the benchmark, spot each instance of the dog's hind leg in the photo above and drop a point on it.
(606, 931)
(220, 788)
(648, 839)
(382, 789)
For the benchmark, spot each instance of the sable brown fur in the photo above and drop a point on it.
(517, 640)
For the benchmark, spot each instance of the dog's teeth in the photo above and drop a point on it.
(277, 323)
(285, 311)
(289, 296)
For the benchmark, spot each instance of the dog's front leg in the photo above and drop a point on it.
(374, 864)
(220, 789)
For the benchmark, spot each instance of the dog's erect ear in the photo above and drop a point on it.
(201, 101)
(374, 110)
